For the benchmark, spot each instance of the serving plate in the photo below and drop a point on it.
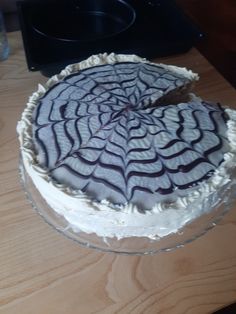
(131, 245)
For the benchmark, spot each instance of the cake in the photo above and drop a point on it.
(121, 147)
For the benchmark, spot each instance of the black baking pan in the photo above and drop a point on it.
(83, 20)
(56, 33)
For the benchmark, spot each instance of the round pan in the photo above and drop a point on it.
(83, 20)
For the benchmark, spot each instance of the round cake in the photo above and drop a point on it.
(121, 147)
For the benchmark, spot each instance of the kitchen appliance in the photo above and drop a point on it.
(56, 33)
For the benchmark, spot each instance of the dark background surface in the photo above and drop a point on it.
(216, 18)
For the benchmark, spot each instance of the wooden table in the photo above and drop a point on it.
(41, 271)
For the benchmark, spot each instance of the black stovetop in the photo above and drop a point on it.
(56, 33)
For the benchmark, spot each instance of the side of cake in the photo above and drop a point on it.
(120, 147)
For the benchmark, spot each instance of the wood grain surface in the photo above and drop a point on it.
(41, 271)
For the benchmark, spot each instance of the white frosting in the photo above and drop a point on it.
(88, 216)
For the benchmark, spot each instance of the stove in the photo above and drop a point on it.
(57, 33)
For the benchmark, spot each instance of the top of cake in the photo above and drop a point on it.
(128, 132)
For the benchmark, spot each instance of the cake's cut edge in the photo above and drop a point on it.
(176, 95)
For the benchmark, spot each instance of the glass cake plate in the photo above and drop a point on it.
(132, 245)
